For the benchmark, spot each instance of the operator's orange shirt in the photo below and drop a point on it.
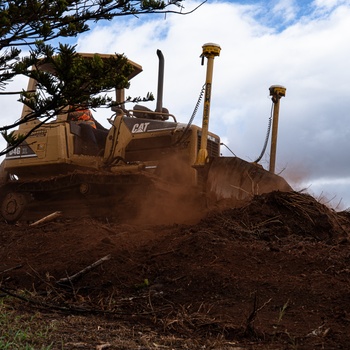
(83, 116)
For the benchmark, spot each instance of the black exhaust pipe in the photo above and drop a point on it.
(159, 106)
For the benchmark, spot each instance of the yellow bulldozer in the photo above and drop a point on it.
(141, 149)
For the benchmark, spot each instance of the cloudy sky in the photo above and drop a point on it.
(302, 45)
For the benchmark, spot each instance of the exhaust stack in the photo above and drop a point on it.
(159, 106)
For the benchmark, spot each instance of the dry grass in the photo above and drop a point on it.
(52, 327)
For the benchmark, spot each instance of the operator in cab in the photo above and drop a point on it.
(91, 130)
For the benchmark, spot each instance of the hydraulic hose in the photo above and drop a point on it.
(267, 136)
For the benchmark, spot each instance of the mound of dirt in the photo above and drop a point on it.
(272, 273)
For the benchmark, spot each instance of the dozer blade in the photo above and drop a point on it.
(234, 180)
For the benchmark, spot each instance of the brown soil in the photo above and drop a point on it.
(273, 274)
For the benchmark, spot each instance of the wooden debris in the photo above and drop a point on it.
(11, 268)
(79, 274)
(47, 218)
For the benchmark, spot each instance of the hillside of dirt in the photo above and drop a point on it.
(273, 274)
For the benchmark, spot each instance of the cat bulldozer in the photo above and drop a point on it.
(57, 168)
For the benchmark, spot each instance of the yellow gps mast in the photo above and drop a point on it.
(276, 91)
(210, 50)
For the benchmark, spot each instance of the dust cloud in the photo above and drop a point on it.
(172, 197)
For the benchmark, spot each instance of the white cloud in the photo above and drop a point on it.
(285, 9)
(330, 4)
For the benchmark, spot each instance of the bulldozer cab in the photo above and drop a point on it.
(54, 145)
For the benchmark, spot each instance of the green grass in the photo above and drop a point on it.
(24, 332)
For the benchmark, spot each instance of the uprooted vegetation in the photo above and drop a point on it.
(271, 275)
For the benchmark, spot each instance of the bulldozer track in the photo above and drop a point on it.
(71, 180)
(74, 193)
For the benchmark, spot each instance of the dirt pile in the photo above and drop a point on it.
(274, 272)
